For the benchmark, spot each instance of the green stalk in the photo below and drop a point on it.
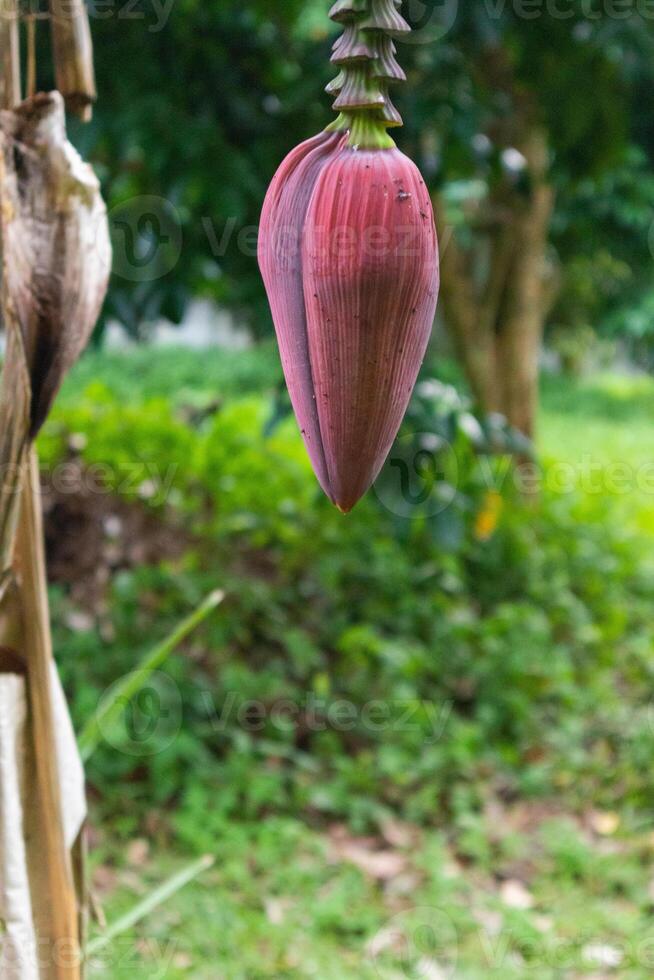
(111, 707)
(149, 904)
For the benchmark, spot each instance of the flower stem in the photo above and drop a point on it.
(365, 58)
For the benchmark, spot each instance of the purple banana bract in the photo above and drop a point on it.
(349, 257)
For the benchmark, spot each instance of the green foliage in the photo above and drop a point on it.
(603, 233)
(178, 374)
(362, 665)
(199, 104)
(129, 689)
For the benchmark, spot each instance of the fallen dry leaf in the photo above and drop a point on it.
(276, 909)
(138, 852)
(601, 954)
(604, 824)
(399, 834)
(380, 865)
(514, 894)
(430, 970)
(491, 921)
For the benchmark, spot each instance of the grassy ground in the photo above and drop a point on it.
(525, 893)
(520, 890)
(602, 426)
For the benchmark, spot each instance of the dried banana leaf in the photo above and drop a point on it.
(72, 50)
(15, 397)
(9, 56)
(55, 243)
(56, 258)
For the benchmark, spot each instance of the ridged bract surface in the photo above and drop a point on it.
(280, 259)
(349, 256)
(370, 272)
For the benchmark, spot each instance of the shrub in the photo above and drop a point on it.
(366, 664)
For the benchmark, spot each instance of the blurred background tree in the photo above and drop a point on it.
(533, 129)
(528, 110)
(210, 97)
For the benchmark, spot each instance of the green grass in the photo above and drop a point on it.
(607, 415)
(602, 426)
(186, 376)
(497, 901)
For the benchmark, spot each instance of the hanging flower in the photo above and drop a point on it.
(349, 256)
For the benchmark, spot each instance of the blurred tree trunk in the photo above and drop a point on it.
(496, 305)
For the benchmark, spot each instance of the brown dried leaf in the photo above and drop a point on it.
(14, 428)
(138, 852)
(276, 909)
(382, 865)
(514, 894)
(604, 823)
(55, 243)
(399, 834)
(56, 256)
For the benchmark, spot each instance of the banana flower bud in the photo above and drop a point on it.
(349, 257)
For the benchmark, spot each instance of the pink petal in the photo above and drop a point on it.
(280, 259)
(370, 270)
